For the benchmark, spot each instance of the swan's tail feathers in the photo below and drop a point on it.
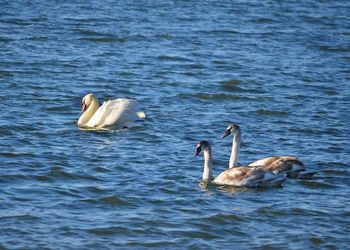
(307, 174)
(141, 115)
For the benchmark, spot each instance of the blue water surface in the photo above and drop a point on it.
(280, 69)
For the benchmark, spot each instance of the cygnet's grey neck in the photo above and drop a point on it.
(207, 171)
(235, 148)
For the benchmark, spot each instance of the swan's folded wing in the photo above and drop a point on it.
(234, 176)
(248, 177)
(97, 119)
(121, 112)
(264, 162)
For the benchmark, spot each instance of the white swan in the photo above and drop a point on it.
(113, 114)
(278, 164)
(238, 176)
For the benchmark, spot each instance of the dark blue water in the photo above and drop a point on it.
(278, 68)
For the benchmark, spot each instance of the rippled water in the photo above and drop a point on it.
(278, 68)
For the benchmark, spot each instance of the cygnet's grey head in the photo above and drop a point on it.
(232, 128)
(201, 146)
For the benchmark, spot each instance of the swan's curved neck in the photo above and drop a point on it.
(235, 147)
(86, 116)
(207, 172)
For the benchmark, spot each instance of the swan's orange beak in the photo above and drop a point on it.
(227, 133)
(83, 107)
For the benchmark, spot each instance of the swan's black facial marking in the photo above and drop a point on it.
(198, 150)
(83, 107)
(227, 133)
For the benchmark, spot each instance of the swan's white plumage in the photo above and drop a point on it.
(114, 114)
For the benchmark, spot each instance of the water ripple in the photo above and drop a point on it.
(103, 39)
